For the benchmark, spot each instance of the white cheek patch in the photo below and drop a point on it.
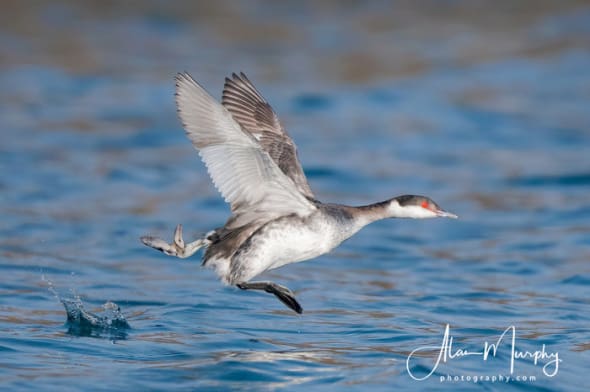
(412, 211)
(420, 212)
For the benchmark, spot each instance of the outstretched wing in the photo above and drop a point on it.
(241, 169)
(249, 108)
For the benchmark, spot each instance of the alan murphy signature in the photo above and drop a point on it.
(445, 352)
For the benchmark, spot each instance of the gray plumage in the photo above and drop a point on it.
(275, 219)
(255, 115)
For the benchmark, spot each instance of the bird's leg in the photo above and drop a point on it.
(285, 295)
(177, 248)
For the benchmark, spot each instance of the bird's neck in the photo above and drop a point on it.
(363, 215)
(349, 220)
(392, 208)
(373, 212)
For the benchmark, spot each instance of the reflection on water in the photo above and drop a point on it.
(481, 107)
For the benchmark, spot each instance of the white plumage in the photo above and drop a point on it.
(275, 219)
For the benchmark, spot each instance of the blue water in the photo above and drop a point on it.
(484, 110)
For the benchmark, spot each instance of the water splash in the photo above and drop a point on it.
(110, 324)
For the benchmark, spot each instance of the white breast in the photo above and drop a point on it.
(286, 241)
(298, 243)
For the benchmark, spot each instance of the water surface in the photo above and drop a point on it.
(484, 110)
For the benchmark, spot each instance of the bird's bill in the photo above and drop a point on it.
(445, 214)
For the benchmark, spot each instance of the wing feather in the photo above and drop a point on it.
(241, 169)
(249, 108)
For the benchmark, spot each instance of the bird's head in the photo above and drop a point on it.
(417, 207)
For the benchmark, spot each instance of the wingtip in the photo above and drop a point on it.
(237, 77)
(179, 78)
(182, 77)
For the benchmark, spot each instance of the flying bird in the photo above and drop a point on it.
(275, 218)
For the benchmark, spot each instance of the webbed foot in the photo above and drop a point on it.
(177, 247)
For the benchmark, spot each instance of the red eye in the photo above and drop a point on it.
(426, 205)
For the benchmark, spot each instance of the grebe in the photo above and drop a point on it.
(275, 218)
